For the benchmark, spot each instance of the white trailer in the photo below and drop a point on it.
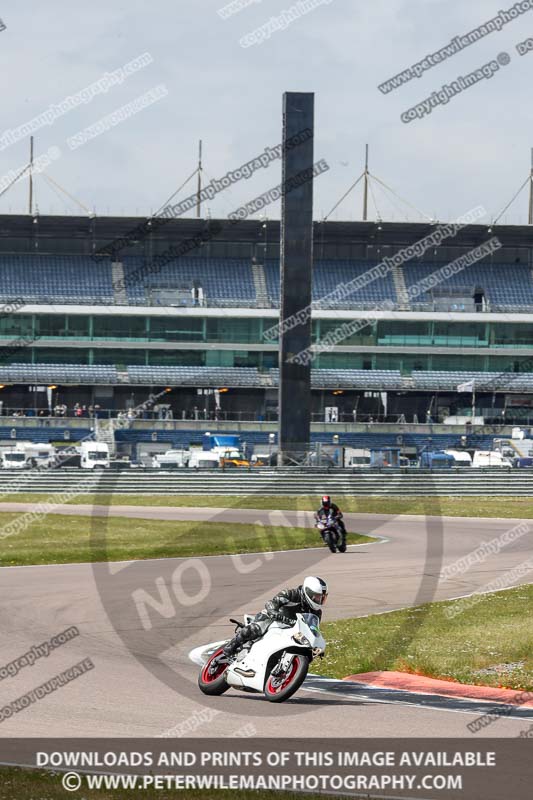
(11, 458)
(38, 455)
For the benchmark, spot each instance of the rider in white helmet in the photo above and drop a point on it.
(309, 598)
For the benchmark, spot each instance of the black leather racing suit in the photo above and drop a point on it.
(335, 512)
(282, 608)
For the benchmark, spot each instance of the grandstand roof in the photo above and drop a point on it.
(52, 229)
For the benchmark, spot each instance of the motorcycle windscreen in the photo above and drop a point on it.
(312, 622)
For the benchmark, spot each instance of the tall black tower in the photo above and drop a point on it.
(296, 260)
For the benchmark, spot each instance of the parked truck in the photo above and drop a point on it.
(461, 458)
(94, 455)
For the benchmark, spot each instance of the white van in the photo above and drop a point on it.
(204, 459)
(171, 459)
(94, 455)
(489, 458)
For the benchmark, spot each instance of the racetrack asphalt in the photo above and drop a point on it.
(123, 695)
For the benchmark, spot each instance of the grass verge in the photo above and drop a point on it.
(476, 506)
(490, 643)
(59, 539)
(31, 784)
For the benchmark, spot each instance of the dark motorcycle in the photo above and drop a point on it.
(332, 534)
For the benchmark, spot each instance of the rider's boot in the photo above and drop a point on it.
(232, 647)
(245, 634)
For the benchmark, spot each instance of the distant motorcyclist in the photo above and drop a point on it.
(328, 509)
(309, 598)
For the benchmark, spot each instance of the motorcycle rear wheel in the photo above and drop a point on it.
(276, 692)
(213, 683)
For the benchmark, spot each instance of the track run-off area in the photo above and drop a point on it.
(128, 692)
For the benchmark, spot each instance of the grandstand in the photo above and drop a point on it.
(110, 329)
(73, 280)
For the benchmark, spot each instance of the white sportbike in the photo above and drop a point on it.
(276, 664)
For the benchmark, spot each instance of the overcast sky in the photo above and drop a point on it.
(474, 150)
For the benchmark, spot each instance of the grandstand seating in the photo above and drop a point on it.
(484, 381)
(229, 281)
(328, 275)
(378, 379)
(55, 279)
(59, 373)
(504, 285)
(215, 377)
(225, 281)
(195, 376)
(47, 431)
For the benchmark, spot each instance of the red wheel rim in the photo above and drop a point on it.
(283, 685)
(210, 676)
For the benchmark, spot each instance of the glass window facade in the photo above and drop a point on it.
(12, 325)
(363, 336)
(512, 335)
(250, 330)
(175, 329)
(119, 327)
(238, 333)
(245, 330)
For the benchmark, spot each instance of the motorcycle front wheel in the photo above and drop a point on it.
(280, 687)
(212, 680)
(328, 538)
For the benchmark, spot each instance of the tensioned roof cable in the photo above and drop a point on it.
(51, 180)
(407, 203)
(361, 176)
(172, 196)
(57, 194)
(390, 199)
(527, 180)
(15, 179)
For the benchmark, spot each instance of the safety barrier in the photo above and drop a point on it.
(283, 481)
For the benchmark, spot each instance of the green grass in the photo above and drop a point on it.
(490, 643)
(19, 784)
(477, 506)
(58, 539)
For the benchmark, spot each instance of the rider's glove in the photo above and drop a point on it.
(284, 619)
